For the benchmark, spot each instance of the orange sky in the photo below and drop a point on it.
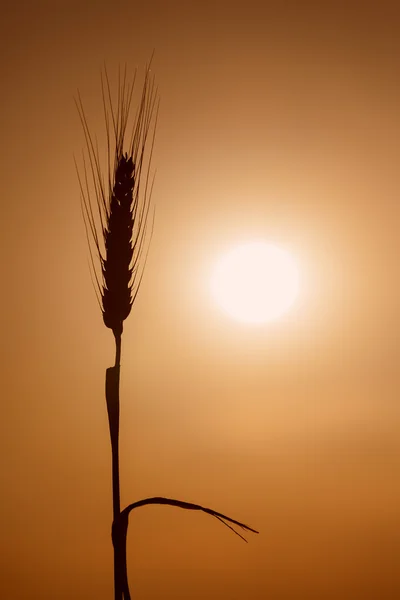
(277, 120)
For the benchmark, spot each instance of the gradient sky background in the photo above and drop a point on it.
(278, 120)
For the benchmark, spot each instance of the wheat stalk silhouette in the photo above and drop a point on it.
(118, 224)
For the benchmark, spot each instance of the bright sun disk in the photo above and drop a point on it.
(255, 282)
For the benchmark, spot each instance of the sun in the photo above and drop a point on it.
(255, 282)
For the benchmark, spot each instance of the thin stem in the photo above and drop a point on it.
(118, 341)
(112, 398)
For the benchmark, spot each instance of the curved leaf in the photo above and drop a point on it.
(120, 528)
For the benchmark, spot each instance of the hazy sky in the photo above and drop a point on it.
(277, 120)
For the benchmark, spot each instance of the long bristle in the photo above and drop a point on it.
(118, 225)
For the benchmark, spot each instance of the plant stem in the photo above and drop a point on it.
(112, 398)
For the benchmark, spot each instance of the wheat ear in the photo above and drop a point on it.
(117, 220)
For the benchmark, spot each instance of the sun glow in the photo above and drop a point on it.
(255, 282)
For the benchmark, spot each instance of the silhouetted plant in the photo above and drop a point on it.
(117, 222)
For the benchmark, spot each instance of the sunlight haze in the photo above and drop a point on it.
(278, 122)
